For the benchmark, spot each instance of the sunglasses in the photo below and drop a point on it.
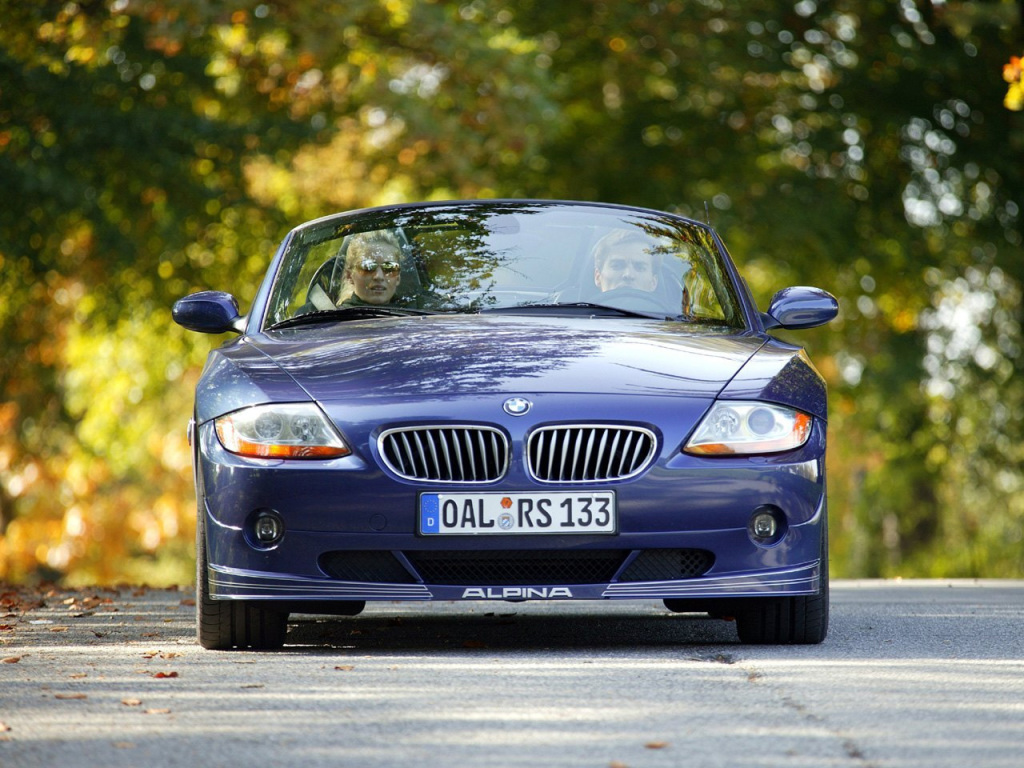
(369, 266)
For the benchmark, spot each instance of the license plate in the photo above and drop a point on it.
(517, 513)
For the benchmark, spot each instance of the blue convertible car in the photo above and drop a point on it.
(508, 400)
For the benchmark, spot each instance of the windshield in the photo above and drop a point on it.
(506, 257)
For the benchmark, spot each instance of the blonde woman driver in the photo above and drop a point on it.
(373, 269)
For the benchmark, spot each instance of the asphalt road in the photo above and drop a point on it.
(914, 673)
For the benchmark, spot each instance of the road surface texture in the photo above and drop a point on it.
(914, 673)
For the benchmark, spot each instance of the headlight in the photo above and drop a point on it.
(287, 431)
(738, 428)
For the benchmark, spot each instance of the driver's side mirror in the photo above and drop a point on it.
(800, 307)
(208, 312)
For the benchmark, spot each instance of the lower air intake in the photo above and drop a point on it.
(372, 567)
(516, 568)
(668, 565)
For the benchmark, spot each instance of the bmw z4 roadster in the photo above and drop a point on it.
(508, 400)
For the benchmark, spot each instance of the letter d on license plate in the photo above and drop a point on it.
(517, 513)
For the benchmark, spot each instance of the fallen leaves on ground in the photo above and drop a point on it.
(86, 604)
(166, 655)
(19, 602)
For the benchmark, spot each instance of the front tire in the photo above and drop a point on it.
(785, 620)
(789, 620)
(229, 624)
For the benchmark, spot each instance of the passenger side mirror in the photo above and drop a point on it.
(800, 307)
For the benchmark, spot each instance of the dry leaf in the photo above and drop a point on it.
(188, 601)
(345, 667)
(253, 685)
(132, 702)
(156, 712)
(162, 675)
(70, 696)
(4, 727)
(656, 745)
(12, 660)
(58, 629)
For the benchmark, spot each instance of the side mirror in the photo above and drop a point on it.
(800, 307)
(208, 312)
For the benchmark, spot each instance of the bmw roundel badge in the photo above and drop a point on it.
(517, 406)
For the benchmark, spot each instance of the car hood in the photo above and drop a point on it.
(446, 356)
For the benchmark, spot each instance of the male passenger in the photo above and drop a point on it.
(623, 259)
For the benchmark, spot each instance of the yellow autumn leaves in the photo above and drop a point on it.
(1012, 74)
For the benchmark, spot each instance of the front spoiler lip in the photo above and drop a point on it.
(238, 584)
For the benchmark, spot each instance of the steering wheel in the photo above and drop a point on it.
(323, 285)
(635, 300)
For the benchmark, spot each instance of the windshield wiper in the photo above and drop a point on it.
(346, 313)
(581, 305)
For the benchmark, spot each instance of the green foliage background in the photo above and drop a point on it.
(150, 148)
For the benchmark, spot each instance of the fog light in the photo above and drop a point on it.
(767, 525)
(268, 528)
(764, 525)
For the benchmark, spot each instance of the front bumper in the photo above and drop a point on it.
(791, 567)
